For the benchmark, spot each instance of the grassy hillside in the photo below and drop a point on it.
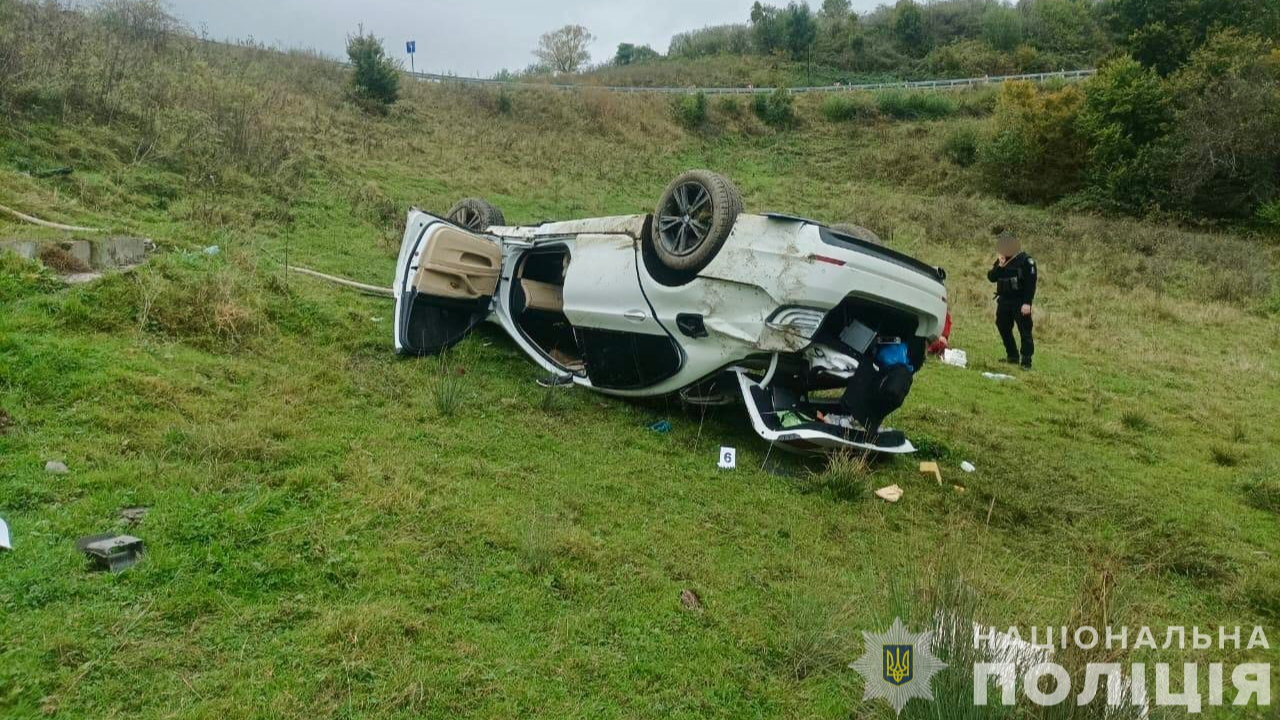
(327, 536)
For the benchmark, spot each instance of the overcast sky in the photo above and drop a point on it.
(465, 38)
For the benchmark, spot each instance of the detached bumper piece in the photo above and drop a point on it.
(812, 437)
(111, 552)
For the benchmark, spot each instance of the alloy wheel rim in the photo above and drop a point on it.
(684, 221)
(469, 219)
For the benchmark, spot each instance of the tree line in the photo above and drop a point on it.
(971, 37)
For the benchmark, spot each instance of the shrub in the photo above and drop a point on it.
(969, 58)
(961, 146)
(691, 110)
(1036, 152)
(776, 108)
(729, 106)
(1227, 127)
(504, 103)
(375, 80)
(904, 105)
(842, 108)
(1269, 215)
(979, 102)
(1126, 114)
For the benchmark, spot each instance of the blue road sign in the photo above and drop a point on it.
(411, 46)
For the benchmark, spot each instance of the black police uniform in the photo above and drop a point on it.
(1015, 287)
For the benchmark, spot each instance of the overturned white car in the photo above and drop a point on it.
(699, 299)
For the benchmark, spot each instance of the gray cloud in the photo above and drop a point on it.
(463, 38)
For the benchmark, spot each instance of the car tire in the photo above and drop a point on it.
(857, 231)
(693, 219)
(475, 215)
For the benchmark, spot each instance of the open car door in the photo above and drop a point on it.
(809, 436)
(445, 282)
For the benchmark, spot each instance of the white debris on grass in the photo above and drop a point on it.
(892, 494)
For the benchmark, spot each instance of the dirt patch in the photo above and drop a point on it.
(59, 260)
(6, 422)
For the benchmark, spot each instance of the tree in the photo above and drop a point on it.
(629, 54)
(1227, 126)
(1125, 121)
(799, 28)
(835, 9)
(1002, 27)
(1164, 33)
(1065, 27)
(767, 29)
(909, 29)
(376, 77)
(565, 50)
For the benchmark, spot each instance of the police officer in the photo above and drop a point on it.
(1014, 273)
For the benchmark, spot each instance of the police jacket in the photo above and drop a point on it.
(1016, 281)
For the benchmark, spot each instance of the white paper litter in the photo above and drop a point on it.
(4, 536)
(955, 358)
(997, 376)
(892, 494)
(967, 466)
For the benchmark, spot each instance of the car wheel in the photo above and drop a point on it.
(694, 218)
(475, 215)
(858, 232)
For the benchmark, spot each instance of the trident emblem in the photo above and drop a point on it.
(897, 664)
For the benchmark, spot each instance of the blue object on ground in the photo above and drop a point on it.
(662, 426)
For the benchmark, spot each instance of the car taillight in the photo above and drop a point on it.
(801, 320)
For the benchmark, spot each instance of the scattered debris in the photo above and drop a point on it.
(892, 494)
(931, 468)
(997, 376)
(728, 458)
(791, 418)
(212, 250)
(4, 536)
(133, 515)
(56, 467)
(960, 488)
(967, 466)
(690, 600)
(111, 552)
(955, 358)
(662, 427)
(6, 421)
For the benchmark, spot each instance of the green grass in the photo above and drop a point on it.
(336, 531)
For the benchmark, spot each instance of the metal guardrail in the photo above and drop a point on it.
(901, 84)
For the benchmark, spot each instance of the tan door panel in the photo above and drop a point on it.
(458, 265)
(543, 296)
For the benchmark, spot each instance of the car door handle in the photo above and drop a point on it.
(635, 315)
